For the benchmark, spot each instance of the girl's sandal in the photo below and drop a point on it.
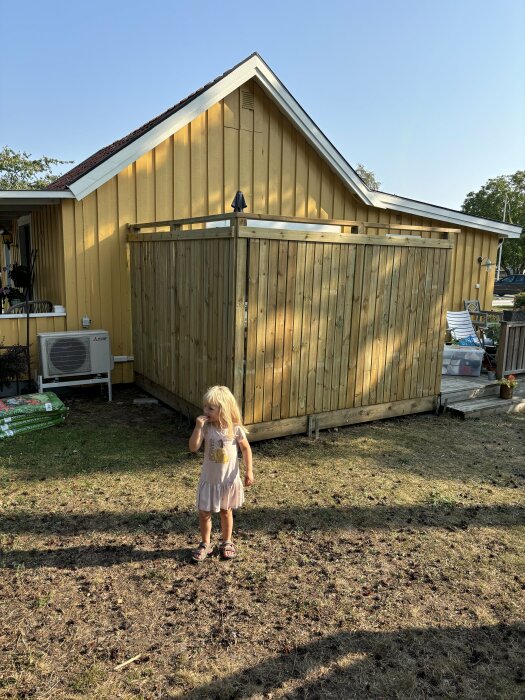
(202, 552)
(227, 550)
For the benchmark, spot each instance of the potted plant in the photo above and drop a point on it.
(507, 386)
(518, 309)
(10, 295)
(13, 363)
(21, 275)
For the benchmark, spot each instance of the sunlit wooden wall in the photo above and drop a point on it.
(242, 142)
(183, 317)
(298, 326)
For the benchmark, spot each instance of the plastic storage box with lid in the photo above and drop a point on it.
(462, 361)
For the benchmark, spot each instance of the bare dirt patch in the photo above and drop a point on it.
(382, 561)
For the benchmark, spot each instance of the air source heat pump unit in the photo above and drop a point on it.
(74, 358)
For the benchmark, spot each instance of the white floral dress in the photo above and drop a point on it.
(220, 485)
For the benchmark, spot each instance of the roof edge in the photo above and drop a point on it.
(36, 194)
(433, 211)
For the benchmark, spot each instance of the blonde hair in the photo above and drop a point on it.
(229, 411)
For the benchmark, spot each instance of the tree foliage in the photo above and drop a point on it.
(19, 171)
(368, 177)
(503, 198)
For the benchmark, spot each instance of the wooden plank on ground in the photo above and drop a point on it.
(351, 416)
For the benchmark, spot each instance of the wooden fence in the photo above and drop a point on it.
(339, 327)
(510, 358)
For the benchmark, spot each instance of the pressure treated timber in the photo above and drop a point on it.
(219, 232)
(333, 419)
(510, 358)
(325, 237)
(297, 327)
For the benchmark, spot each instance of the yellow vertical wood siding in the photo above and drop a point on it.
(183, 314)
(197, 171)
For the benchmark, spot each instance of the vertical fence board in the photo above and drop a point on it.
(289, 301)
(299, 304)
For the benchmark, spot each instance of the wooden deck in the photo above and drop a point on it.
(472, 397)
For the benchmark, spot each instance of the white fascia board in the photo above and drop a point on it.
(253, 68)
(33, 195)
(408, 206)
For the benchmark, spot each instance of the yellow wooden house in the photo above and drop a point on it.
(94, 231)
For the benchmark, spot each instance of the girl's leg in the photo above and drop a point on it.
(227, 525)
(205, 525)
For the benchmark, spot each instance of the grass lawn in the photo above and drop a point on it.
(382, 561)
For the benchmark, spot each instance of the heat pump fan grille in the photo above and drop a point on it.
(69, 356)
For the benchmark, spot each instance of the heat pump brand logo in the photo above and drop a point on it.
(99, 338)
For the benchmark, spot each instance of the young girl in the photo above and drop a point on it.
(220, 486)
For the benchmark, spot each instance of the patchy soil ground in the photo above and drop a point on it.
(382, 561)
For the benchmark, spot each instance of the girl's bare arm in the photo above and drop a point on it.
(198, 434)
(247, 459)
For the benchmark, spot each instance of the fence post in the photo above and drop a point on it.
(239, 315)
(501, 354)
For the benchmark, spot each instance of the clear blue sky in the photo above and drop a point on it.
(430, 95)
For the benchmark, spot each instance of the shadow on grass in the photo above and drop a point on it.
(479, 662)
(271, 520)
(84, 557)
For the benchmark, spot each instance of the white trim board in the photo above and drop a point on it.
(38, 195)
(410, 206)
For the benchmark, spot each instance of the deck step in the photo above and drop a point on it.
(465, 393)
(476, 407)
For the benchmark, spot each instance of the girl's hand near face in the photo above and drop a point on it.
(201, 421)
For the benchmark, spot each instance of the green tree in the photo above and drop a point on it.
(367, 176)
(503, 199)
(19, 171)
